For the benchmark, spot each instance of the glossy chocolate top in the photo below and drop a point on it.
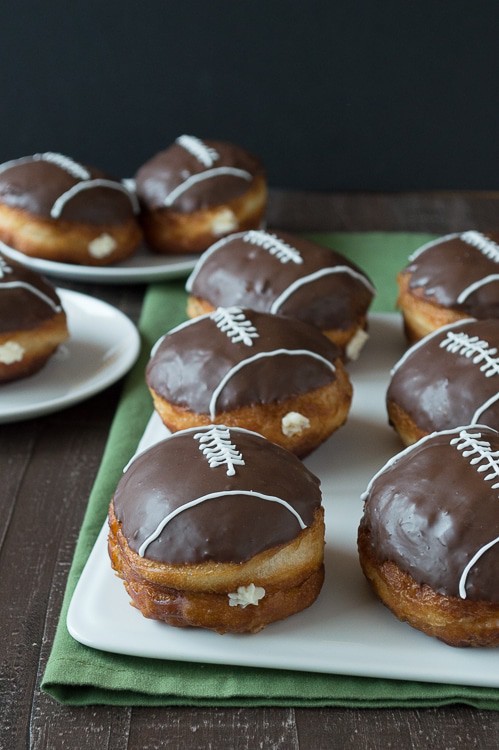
(215, 494)
(459, 271)
(54, 186)
(434, 511)
(451, 377)
(193, 174)
(285, 274)
(236, 357)
(26, 299)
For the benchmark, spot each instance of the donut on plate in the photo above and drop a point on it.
(429, 537)
(450, 377)
(53, 208)
(274, 375)
(32, 321)
(454, 277)
(218, 528)
(197, 191)
(289, 275)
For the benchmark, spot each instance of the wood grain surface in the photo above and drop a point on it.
(47, 467)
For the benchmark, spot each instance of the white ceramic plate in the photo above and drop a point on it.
(102, 347)
(346, 631)
(143, 267)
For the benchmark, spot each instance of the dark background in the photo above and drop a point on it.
(359, 95)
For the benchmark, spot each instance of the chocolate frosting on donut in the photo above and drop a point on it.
(39, 185)
(190, 363)
(202, 174)
(434, 511)
(26, 299)
(254, 269)
(451, 377)
(459, 271)
(226, 527)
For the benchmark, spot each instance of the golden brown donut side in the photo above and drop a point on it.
(196, 595)
(168, 231)
(37, 344)
(68, 242)
(402, 423)
(326, 408)
(421, 317)
(457, 622)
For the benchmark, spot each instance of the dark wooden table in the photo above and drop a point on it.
(47, 467)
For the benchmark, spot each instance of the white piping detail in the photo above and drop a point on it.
(212, 496)
(206, 175)
(61, 201)
(476, 285)
(261, 355)
(474, 559)
(207, 155)
(313, 277)
(33, 290)
(481, 409)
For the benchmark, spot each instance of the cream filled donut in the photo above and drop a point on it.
(450, 377)
(197, 191)
(274, 375)
(289, 275)
(218, 528)
(54, 208)
(454, 277)
(32, 321)
(429, 536)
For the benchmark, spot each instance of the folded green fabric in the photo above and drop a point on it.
(78, 675)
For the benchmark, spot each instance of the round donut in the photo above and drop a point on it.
(274, 375)
(197, 191)
(54, 208)
(289, 275)
(32, 321)
(218, 528)
(449, 378)
(454, 277)
(429, 537)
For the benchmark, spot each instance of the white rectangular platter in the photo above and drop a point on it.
(347, 631)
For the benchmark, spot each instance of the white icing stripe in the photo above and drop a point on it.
(481, 409)
(313, 277)
(476, 285)
(261, 355)
(420, 250)
(185, 324)
(61, 201)
(474, 559)
(213, 496)
(63, 162)
(202, 260)
(33, 290)
(206, 175)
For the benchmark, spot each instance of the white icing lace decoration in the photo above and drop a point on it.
(485, 460)
(214, 496)
(487, 247)
(246, 595)
(275, 246)
(479, 351)
(216, 446)
(233, 322)
(470, 445)
(70, 166)
(195, 146)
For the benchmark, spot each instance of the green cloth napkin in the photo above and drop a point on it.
(78, 675)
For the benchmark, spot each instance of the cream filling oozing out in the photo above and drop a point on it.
(11, 352)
